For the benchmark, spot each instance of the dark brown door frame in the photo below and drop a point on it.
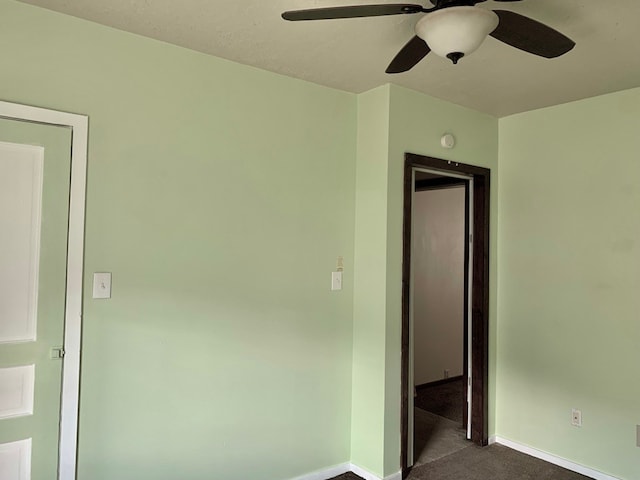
(479, 301)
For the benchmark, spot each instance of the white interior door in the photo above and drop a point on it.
(411, 386)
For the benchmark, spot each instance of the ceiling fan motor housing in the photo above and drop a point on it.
(455, 32)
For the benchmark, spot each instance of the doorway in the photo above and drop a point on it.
(42, 199)
(471, 186)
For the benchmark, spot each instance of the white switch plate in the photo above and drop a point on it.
(101, 285)
(576, 417)
(336, 281)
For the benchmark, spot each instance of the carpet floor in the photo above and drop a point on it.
(446, 400)
(435, 437)
(442, 453)
(495, 462)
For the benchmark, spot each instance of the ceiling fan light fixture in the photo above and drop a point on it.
(455, 32)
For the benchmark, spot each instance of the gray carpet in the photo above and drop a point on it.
(347, 476)
(495, 462)
(446, 400)
(442, 453)
(435, 437)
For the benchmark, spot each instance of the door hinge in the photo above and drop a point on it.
(57, 353)
(471, 238)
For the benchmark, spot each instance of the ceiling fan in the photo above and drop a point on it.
(452, 29)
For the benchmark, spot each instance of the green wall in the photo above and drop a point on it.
(392, 121)
(219, 196)
(568, 327)
(367, 427)
(417, 122)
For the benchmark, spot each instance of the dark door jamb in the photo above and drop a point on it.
(479, 301)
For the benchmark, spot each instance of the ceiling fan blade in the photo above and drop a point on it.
(353, 11)
(414, 51)
(531, 36)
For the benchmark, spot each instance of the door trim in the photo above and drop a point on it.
(79, 125)
(479, 301)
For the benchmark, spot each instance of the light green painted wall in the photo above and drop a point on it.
(569, 335)
(417, 122)
(367, 427)
(219, 196)
(392, 121)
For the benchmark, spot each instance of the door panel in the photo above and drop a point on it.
(34, 214)
(20, 211)
(16, 394)
(15, 460)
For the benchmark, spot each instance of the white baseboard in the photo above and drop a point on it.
(326, 473)
(336, 470)
(394, 476)
(547, 457)
(370, 476)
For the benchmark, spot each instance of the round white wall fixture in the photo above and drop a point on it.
(447, 141)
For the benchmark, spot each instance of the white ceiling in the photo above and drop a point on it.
(352, 54)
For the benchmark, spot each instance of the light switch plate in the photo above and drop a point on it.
(576, 417)
(336, 281)
(101, 285)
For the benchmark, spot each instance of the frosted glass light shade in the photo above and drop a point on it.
(456, 29)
